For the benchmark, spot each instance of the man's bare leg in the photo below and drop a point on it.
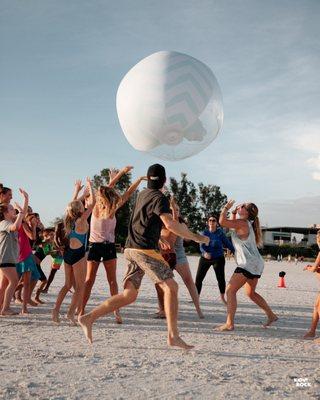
(115, 302)
(170, 288)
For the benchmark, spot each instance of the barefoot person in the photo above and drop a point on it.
(72, 237)
(102, 246)
(316, 311)
(213, 255)
(246, 236)
(10, 223)
(152, 209)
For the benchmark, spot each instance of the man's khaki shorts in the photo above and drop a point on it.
(148, 262)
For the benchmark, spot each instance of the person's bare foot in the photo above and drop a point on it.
(18, 301)
(200, 315)
(25, 312)
(8, 312)
(55, 316)
(118, 317)
(38, 301)
(178, 342)
(224, 328)
(159, 315)
(86, 325)
(273, 318)
(32, 303)
(309, 335)
(71, 318)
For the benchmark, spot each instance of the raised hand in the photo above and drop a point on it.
(78, 185)
(229, 205)
(112, 173)
(127, 169)
(89, 182)
(24, 193)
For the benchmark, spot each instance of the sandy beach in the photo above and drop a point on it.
(43, 361)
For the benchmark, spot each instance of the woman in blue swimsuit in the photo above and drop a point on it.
(72, 239)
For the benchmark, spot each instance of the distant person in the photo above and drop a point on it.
(246, 236)
(213, 255)
(316, 311)
(151, 211)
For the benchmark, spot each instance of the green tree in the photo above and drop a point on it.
(185, 193)
(211, 200)
(196, 202)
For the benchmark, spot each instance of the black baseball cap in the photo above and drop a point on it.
(156, 176)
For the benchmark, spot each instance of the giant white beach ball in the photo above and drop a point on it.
(170, 105)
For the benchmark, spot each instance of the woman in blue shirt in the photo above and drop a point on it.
(213, 255)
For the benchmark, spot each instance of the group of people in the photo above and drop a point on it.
(156, 231)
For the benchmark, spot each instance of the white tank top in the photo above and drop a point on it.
(246, 252)
(102, 229)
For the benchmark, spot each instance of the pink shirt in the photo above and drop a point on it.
(102, 229)
(24, 245)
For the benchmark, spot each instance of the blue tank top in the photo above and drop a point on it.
(82, 237)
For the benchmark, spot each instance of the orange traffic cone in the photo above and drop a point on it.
(281, 279)
(281, 282)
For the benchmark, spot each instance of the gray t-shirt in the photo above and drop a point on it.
(9, 246)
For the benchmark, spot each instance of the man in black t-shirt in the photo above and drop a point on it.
(151, 211)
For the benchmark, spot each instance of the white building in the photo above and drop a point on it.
(290, 235)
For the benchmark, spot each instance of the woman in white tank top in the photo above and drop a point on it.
(246, 236)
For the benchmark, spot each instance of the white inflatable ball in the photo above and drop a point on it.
(170, 105)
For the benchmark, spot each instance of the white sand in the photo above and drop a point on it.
(44, 361)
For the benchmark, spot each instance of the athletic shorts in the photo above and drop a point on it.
(104, 251)
(41, 273)
(7, 265)
(246, 273)
(27, 265)
(72, 256)
(150, 262)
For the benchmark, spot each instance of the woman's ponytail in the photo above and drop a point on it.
(253, 217)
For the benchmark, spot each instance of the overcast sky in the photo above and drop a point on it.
(62, 61)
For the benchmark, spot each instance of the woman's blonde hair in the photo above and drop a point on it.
(74, 211)
(253, 217)
(107, 202)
